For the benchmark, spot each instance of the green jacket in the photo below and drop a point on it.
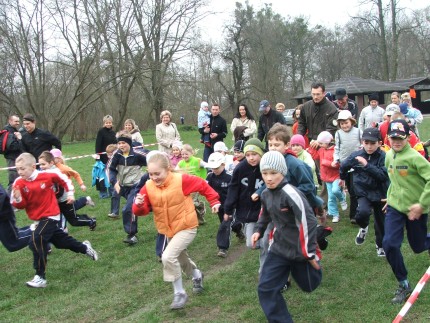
(409, 174)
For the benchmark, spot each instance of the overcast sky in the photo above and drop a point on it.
(324, 12)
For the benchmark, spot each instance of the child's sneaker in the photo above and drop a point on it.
(335, 219)
(90, 201)
(344, 205)
(113, 216)
(222, 253)
(402, 294)
(90, 251)
(179, 301)
(37, 282)
(198, 284)
(93, 224)
(130, 239)
(380, 252)
(361, 236)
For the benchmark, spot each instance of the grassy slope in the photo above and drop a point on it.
(126, 283)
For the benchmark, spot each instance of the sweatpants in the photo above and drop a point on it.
(273, 278)
(129, 220)
(76, 220)
(418, 238)
(362, 216)
(12, 237)
(49, 230)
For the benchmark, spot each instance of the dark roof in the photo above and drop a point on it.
(357, 85)
(419, 83)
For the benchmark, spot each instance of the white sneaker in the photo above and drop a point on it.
(37, 282)
(90, 201)
(380, 251)
(90, 251)
(344, 205)
(335, 219)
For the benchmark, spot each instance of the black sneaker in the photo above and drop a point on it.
(402, 294)
(361, 236)
(93, 224)
(130, 239)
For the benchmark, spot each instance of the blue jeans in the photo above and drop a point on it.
(273, 278)
(114, 201)
(129, 221)
(335, 193)
(418, 239)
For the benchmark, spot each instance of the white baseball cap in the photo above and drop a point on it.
(215, 160)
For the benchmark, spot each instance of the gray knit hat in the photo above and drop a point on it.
(274, 160)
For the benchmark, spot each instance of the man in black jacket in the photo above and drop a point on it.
(342, 102)
(267, 119)
(13, 149)
(217, 130)
(35, 140)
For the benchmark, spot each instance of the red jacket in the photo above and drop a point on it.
(325, 156)
(38, 196)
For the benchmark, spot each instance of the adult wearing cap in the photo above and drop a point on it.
(217, 130)
(35, 140)
(372, 115)
(267, 119)
(408, 203)
(342, 102)
(317, 115)
(389, 111)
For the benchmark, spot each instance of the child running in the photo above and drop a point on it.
(219, 179)
(47, 164)
(329, 174)
(33, 191)
(347, 140)
(408, 202)
(370, 180)
(175, 155)
(294, 247)
(194, 166)
(168, 196)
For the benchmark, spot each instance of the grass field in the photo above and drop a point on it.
(126, 284)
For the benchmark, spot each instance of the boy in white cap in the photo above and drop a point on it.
(294, 247)
(219, 179)
(221, 147)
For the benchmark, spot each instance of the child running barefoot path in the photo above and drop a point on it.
(33, 192)
(294, 247)
(167, 195)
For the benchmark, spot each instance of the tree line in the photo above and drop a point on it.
(71, 62)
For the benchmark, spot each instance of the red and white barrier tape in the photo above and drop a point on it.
(411, 300)
(92, 155)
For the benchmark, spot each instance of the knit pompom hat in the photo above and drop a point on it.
(254, 145)
(298, 140)
(274, 160)
(325, 137)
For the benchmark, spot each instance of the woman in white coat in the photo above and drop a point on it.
(244, 124)
(166, 132)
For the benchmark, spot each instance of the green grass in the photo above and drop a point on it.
(126, 283)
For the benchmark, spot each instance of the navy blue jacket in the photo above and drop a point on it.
(246, 179)
(370, 181)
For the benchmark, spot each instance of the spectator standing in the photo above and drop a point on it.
(217, 130)
(280, 107)
(342, 102)
(13, 149)
(166, 132)
(243, 126)
(203, 120)
(267, 119)
(371, 115)
(105, 137)
(35, 140)
(133, 130)
(317, 115)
